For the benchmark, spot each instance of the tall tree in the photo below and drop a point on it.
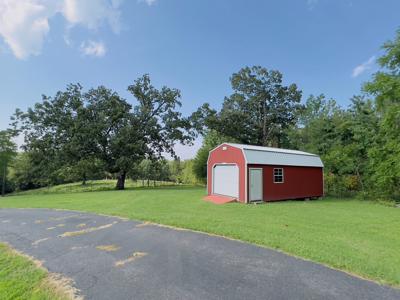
(56, 133)
(260, 109)
(384, 154)
(74, 128)
(157, 120)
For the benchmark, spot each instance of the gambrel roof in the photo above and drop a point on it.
(277, 156)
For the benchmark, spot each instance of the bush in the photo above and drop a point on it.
(341, 185)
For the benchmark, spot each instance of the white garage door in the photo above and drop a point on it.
(226, 180)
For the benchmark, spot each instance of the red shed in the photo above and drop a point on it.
(253, 173)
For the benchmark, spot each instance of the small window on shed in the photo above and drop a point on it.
(278, 175)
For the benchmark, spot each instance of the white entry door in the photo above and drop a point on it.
(226, 180)
(255, 180)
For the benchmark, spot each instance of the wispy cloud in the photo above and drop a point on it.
(24, 24)
(357, 71)
(92, 13)
(93, 48)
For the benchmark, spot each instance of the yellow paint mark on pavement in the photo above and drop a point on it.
(51, 228)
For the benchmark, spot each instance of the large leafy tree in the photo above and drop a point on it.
(342, 137)
(56, 134)
(317, 123)
(74, 129)
(260, 109)
(384, 154)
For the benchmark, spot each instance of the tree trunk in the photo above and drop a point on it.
(121, 181)
(84, 179)
(3, 186)
(264, 142)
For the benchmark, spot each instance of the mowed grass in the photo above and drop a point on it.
(356, 236)
(93, 186)
(21, 279)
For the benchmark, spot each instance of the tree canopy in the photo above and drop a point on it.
(260, 109)
(77, 129)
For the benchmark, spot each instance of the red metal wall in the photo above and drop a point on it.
(299, 182)
(230, 155)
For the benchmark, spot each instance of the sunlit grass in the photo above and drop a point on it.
(357, 236)
(21, 278)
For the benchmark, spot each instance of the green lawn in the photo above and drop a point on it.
(94, 185)
(21, 279)
(357, 236)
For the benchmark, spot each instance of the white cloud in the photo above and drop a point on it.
(92, 13)
(24, 24)
(357, 71)
(93, 48)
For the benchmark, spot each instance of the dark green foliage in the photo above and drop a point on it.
(8, 151)
(25, 174)
(78, 136)
(258, 112)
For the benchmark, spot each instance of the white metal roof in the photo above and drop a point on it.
(278, 156)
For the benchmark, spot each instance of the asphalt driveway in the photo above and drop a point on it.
(111, 258)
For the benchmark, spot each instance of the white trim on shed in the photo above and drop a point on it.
(225, 180)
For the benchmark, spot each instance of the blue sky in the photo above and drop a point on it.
(324, 46)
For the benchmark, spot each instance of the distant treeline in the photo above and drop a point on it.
(78, 135)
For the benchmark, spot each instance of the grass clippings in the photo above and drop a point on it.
(143, 224)
(85, 231)
(108, 248)
(35, 243)
(133, 257)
